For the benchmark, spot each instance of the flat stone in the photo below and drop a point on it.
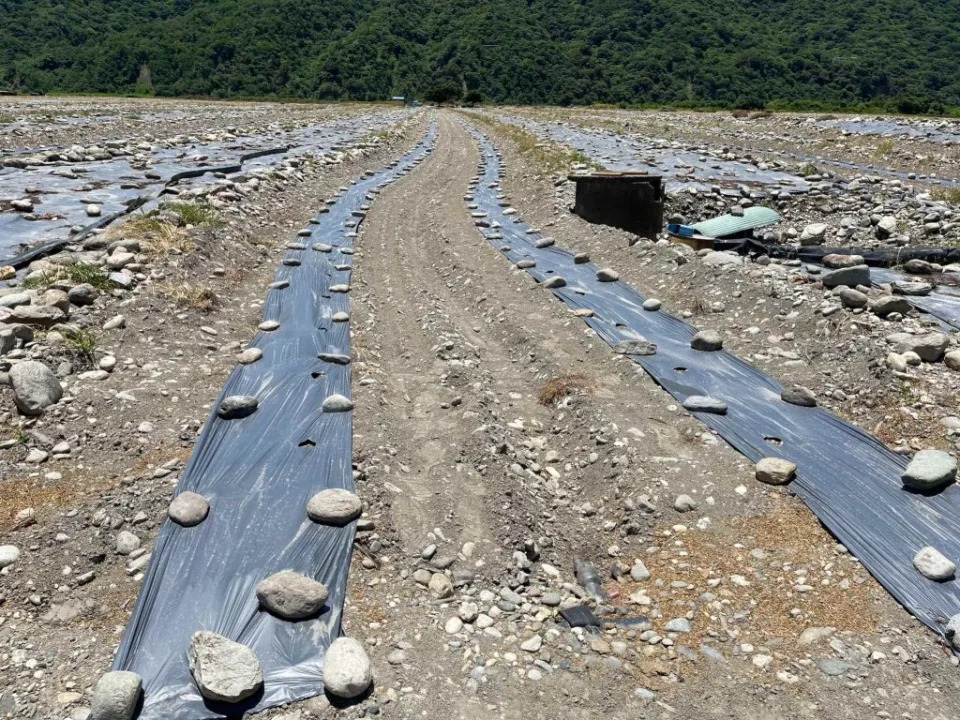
(635, 347)
(269, 325)
(930, 470)
(337, 403)
(721, 259)
(832, 667)
(237, 406)
(849, 276)
(929, 347)
(292, 596)
(250, 355)
(775, 471)
(334, 506)
(526, 264)
(188, 509)
(607, 275)
(224, 670)
(933, 564)
(703, 403)
(799, 395)
(44, 316)
(707, 341)
(346, 669)
(555, 282)
(837, 260)
(852, 298)
(678, 625)
(652, 304)
(911, 288)
(116, 695)
(887, 304)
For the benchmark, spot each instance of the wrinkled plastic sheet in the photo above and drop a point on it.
(849, 479)
(114, 184)
(258, 473)
(681, 168)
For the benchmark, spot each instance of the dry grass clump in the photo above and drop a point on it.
(558, 388)
(195, 298)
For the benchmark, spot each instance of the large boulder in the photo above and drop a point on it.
(346, 669)
(35, 387)
(224, 670)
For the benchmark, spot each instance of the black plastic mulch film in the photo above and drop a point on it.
(258, 473)
(849, 479)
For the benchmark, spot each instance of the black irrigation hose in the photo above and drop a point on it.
(816, 253)
(22, 260)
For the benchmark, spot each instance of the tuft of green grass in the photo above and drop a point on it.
(195, 213)
(76, 273)
(6, 119)
(196, 298)
(82, 346)
(946, 194)
(884, 148)
(808, 169)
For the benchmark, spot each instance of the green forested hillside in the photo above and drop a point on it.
(896, 53)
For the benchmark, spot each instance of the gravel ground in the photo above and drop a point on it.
(498, 441)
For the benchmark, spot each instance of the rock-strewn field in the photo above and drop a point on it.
(511, 467)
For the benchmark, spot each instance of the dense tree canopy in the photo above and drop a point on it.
(746, 53)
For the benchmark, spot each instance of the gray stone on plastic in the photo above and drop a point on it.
(607, 275)
(237, 406)
(224, 670)
(291, 596)
(346, 669)
(703, 403)
(952, 631)
(337, 403)
(334, 506)
(933, 564)
(35, 387)
(930, 470)
(269, 325)
(707, 341)
(189, 509)
(555, 282)
(799, 395)
(116, 695)
(775, 471)
(250, 355)
(652, 304)
(340, 316)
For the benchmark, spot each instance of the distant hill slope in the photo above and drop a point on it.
(744, 53)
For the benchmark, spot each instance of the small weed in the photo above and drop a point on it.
(808, 169)
(159, 238)
(560, 387)
(946, 194)
(195, 213)
(551, 157)
(82, 346)
(187, 296)
(13, 432)
(884, 148)
(6, 119)
(76, 274)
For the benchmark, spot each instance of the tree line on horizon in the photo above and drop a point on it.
(900, 55)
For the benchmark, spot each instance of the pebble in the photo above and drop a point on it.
(702, 403)
(116, 695)
(9, 554)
